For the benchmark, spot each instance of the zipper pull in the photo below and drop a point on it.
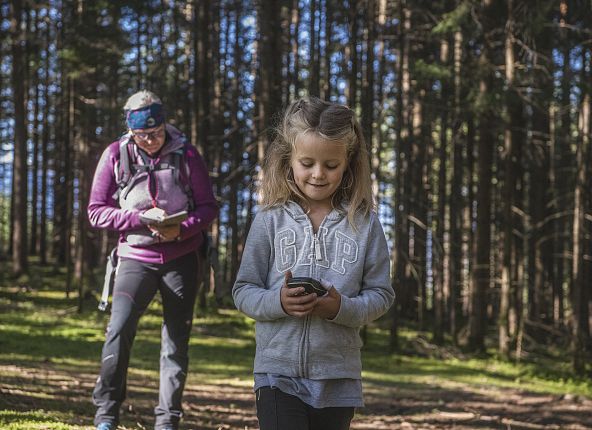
(317, 248)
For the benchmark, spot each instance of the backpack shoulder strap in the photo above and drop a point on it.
(123, 168)
(183, 173)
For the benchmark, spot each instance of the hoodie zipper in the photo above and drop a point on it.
(317, 247)
(318, 256)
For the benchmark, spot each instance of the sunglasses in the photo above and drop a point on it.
(151, 135)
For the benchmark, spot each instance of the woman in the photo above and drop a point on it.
(150, 169)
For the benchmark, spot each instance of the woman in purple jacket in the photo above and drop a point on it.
(159, 171)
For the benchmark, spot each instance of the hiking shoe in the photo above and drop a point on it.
(106, 426)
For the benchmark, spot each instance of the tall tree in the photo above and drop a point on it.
(579, 297)
(401, 255)
(35, 135)
(352, 51)
(314, 59)
(512, 142)
(270, 70)
(19, 234)
(43, 220)
(480, 281)
(453, 253)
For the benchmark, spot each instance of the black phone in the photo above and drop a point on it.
(311, 286)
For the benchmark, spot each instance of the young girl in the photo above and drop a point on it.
(317, 221)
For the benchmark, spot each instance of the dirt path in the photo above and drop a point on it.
(230, 406)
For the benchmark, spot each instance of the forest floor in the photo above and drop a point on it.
(47, 397)
(49, 357)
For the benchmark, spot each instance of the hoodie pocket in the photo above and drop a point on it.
(281, 340)
(329, 339)
(265, 331)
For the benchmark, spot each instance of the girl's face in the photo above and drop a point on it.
(150, 139)
(318, 165)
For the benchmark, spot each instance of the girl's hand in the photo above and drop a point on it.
(293, 304)
(165, 233)
(328, 306)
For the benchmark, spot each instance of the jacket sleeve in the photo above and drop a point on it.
(249, 292)
(205, 207)
(103, 211)
(376, 294)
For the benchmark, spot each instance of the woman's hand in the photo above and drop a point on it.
(293, 303)
(328, 305)
(166, 233)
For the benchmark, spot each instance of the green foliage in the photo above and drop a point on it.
(424, 71)
(452, 21)
(40, 419)
(444, 365)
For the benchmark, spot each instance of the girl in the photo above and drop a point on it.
(317, 221)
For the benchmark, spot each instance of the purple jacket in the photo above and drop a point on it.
(106, 212)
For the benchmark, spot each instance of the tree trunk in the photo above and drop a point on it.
(44, 155)
(352, 50)
(35, 140)
(562, 235)
(540, 267)
(511, 141)
(237, 151)
(313, 52)
(326, 60)
(19, 235)
(578, 293)
(440, 243)
(453, 253)
(418, 207)
(270, 72)
(480, 280)
(367, 107)
(295, 44)
(401, 257)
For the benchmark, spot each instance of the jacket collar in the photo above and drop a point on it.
(296, 212)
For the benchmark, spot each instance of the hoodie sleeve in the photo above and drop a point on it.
(249, 292)
(376, 294)
(103, 211)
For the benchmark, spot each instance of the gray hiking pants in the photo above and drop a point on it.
(135, 286)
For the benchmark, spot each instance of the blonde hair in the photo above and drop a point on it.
(140, 100)
(329, 121)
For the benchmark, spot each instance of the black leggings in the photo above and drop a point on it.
(277, 410)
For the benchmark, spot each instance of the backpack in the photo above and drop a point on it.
(126, 171)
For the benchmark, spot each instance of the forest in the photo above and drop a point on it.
(476, 114)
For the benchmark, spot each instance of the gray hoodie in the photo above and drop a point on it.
(356, 262)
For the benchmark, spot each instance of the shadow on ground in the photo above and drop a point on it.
(50, 387)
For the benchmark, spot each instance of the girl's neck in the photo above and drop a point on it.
(317, 214)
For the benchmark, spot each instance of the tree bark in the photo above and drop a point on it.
(352, 50)
(453, 253)
(480, 275)
(19, 234)
(400, 251)
(45, 154)
(578, 293)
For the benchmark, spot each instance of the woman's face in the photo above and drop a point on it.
(150, 139)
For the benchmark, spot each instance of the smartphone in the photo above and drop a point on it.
(311, 286)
